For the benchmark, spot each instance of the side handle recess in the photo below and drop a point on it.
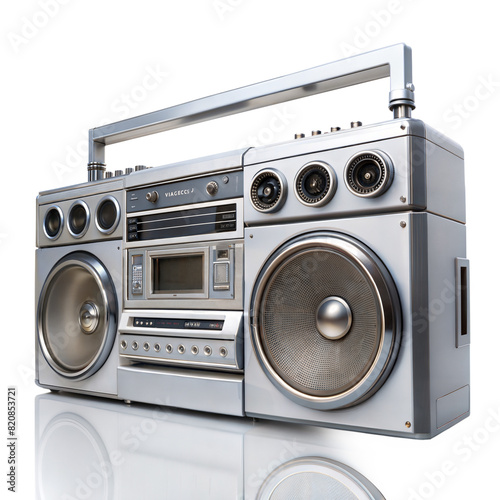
(462, 294)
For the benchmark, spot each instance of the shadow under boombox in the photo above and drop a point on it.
(322, 280)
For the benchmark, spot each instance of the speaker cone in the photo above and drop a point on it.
(317, 478)
(326, 321)
(78, 219)
(107, 215)
(369, 174)
(267, 191)
(53, 222)
(315, 184)
(77, 316)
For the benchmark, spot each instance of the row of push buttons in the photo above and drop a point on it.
(181, 348)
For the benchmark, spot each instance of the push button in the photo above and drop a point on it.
(221, 276)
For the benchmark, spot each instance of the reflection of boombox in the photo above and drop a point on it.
(136, 452)
(322, 280)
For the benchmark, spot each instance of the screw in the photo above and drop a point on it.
(410, 87)
(408, 424)
(402, 199)
(251, 235)
(402, 224)
(403, 127)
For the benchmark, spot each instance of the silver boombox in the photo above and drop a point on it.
(322, 280)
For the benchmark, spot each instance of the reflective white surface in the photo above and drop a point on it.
(88, 448)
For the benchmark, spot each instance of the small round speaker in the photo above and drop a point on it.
(53, 222)
(107, 215)
(315, 184)
(369, 174)
(317, 479)
(77, 314)
(326, 320)
(268, 191)
(78, 219)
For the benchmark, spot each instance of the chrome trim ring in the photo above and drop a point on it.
(112, 228)
(87, 219)
(324, 197)
(62, 331)
(61, 222)
(383, 162)
(277, 203)
(388, 320)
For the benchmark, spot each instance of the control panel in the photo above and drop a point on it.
(205, 339)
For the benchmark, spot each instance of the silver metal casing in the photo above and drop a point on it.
(76, 278)
(417, 231)
(188, 368)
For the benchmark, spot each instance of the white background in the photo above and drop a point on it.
(85, 63)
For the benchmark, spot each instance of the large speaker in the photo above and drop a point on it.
(79, 289)
(357, 308)
(327, 320)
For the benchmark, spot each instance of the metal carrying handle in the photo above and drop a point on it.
(394, 61)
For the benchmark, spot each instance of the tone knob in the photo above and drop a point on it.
(356, 124)
(128, 171)
(108, 175)
(212, 188)
(299, 136)
(334, 129)
(118, 173)
(316, 132)
(152, 196)
(140, 167)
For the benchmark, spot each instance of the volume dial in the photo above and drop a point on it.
(212, 188)
(152, 196)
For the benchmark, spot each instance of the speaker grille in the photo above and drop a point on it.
(302, 361)
(298, 352)
(77, 316)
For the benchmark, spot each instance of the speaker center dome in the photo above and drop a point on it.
(89, 317)
(333, 318)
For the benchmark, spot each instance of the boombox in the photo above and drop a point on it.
(322, 280)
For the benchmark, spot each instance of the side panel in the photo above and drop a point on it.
(445, 182)
(449, 364)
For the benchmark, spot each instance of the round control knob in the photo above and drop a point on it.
(118, 173)
(128, 170)
(138, 168)
(333, 318)
(152, 196)
(212, 188)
